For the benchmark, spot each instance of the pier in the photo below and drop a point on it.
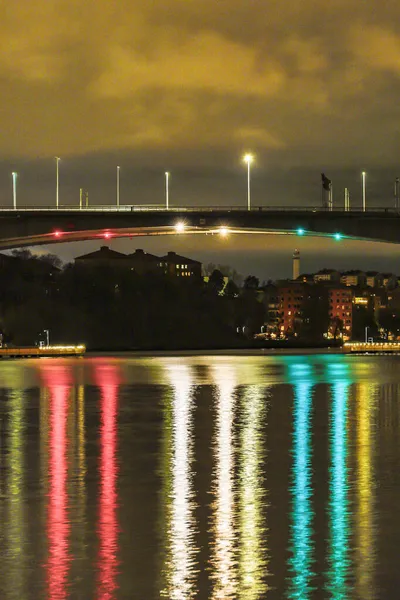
(371, 347)
(44, 351)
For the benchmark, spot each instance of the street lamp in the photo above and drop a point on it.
(166, 190)
(57, 181)
(14, 188)
(118, 170)
(47, 332)
(248, 159)
(364, 205)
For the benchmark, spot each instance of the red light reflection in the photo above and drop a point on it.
(57, 379)
(107, 379)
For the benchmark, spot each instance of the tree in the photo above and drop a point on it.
(51, 259)
(231, 290)
(336, 327)
(216, 281)
(251, 282)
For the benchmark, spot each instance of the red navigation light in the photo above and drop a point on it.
(107, 235)
(57, 233)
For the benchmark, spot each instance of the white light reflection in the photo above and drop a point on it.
(253, 563)
(224, 553)
(179, 568)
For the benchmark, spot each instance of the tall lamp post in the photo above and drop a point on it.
(364, 203)
(14, 189)
(167, 190)
(118, 171)
(248, 159)
(57, 181)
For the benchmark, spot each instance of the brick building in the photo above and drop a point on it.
(340, 311)
(291, 299)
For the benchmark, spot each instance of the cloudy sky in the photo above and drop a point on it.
(188, 86)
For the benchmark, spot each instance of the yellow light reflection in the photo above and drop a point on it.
(15, 518)
(179, 568)
(224, 553)
(365, 527)
(253, 565)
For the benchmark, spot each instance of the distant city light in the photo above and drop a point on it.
(300, 231)
(224, 231)
(107, 235)
(180, 227)
(338, 236)
(57, 233)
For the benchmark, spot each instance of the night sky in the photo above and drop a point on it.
(188, 86)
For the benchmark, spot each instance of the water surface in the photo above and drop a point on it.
(207, 477)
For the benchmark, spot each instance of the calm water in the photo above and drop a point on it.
(209, 477)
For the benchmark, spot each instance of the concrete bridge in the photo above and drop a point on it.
(27, 226)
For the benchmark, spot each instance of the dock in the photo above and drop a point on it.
(43, 351)
(371, 347)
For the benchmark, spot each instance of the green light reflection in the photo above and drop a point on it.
(301, 517)
(338, 508)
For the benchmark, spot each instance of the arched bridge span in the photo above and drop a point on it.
(26, 227)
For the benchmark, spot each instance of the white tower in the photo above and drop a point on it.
(296, 264)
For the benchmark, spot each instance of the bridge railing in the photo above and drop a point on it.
(161, 208)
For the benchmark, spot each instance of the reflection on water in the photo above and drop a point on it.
(301, 517)
(223, 552)
(365, 526)
(69, 489)
(14, 492)
(180, 557)
(107, 380)
(253, 495)
(58, 381)
(338, 506)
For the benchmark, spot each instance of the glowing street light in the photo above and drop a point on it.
(180, 227)
(248, 159)
(14, 188)
(57, 181)
(118, 170)
(223, 231)
(364, 204)
(167, 190)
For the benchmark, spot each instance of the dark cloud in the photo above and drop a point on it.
(188, 86)
(83, 77)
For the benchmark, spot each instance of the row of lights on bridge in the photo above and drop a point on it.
(248, 159)
(223, 231)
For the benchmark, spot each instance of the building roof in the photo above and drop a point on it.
(326, 271)
(142, 255)
(174, 258)
(105, 253)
